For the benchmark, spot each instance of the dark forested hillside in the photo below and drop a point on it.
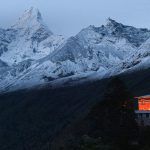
(32, 119)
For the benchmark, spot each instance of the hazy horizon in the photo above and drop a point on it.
(68, 17)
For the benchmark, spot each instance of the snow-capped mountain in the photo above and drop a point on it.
(103, 46)
(29, 38)
(31, 55)
(109, 48)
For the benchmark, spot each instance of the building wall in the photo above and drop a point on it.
(143, 119)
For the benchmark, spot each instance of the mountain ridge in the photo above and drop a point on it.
(32, 55)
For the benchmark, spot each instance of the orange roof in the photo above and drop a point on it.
(144, 102)
(144, 97)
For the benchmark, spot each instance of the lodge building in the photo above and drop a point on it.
(143, 110)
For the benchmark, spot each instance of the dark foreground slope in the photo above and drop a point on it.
(31, 120)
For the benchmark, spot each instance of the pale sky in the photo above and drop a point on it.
(68, 17)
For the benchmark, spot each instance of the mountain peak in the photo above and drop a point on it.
(33, 12)
(30, 18)
(112, 23)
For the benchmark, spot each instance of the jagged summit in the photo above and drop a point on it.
(111, 22)
(31, 18)
(113, 25)
(135, 36)
(32, 12)
(115, 30)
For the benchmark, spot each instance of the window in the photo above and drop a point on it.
(140, 115)
(147, 115)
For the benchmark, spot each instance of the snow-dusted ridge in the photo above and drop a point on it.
(32, 55)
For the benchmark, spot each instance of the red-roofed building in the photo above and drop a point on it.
(143, 111)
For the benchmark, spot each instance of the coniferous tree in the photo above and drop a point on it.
(114, 117)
